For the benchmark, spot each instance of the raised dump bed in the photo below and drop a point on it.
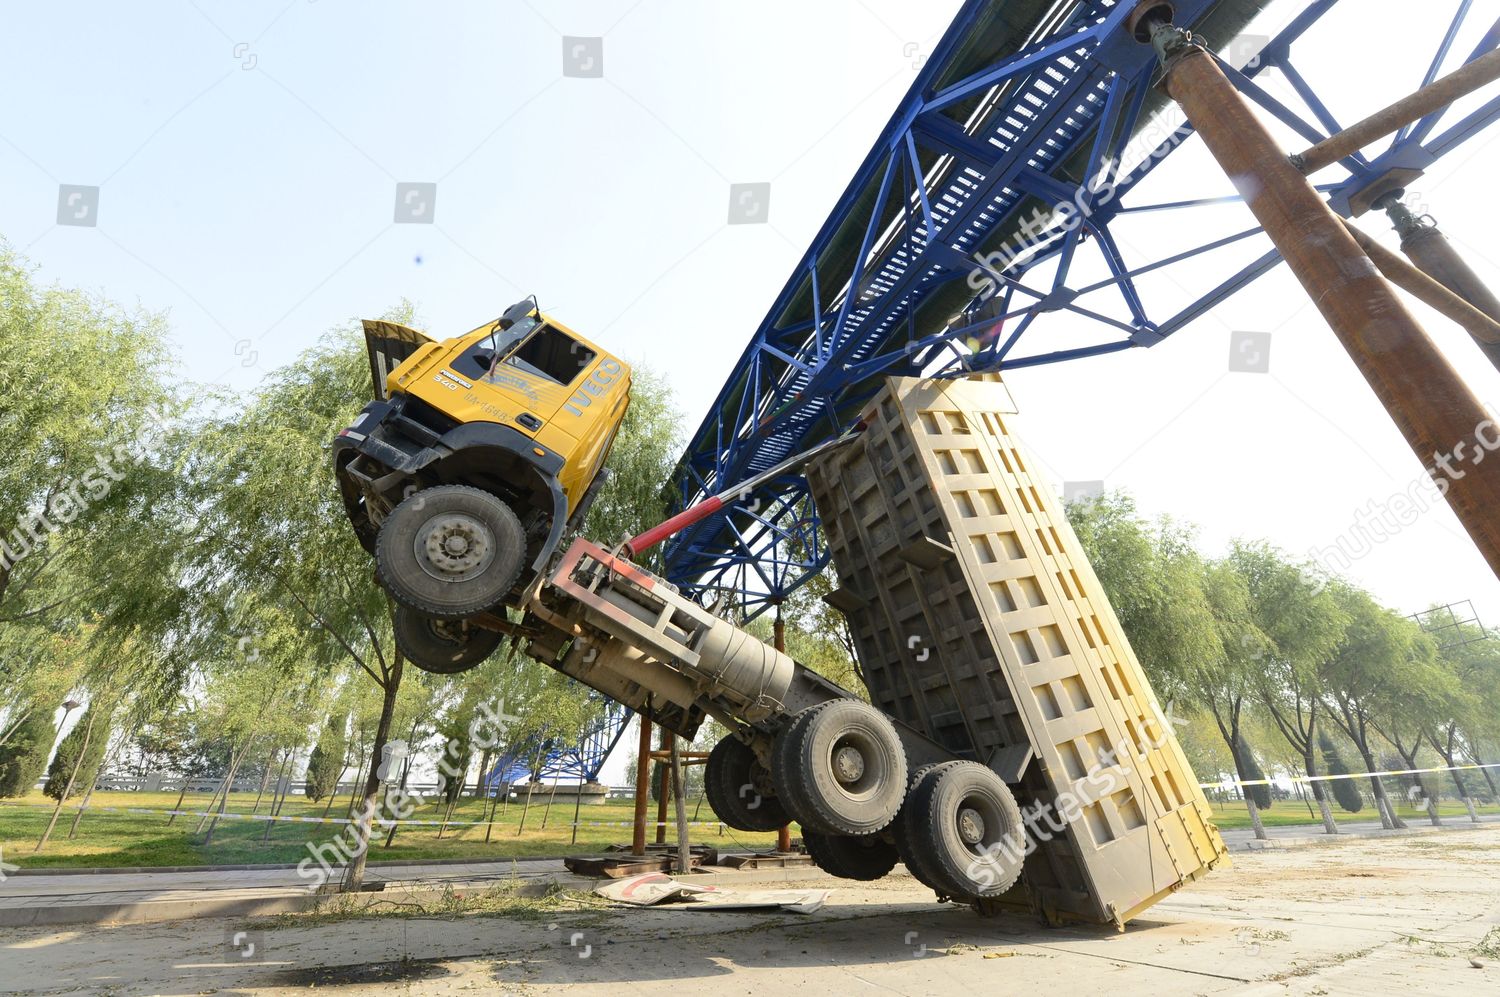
(979, 622)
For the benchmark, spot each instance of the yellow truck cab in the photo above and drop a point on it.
(477, 455)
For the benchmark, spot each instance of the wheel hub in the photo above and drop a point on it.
(970, 826)
(454, 547)
(848, 764)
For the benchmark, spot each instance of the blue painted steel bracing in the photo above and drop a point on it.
(1006, 155)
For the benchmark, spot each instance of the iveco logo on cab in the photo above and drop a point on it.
(603, 376)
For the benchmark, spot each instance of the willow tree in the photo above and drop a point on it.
(273, 529)
(1302, 624)
(1225, 684)
(1154, 580)
(1367, 673)
(89, 497)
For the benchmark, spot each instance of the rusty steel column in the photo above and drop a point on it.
(778, 638)
(642, 787)
(1424, 288)
(1430, 99)
(1441, 419)
(1427, 247)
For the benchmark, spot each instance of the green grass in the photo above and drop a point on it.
(113, 840)
(1293, 813)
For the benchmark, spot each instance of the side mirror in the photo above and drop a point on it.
(516, 312)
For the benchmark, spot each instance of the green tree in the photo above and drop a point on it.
(1470, 658)
(633, 498)
(1302, 625)
(1367, 672)
(1344, 790)
(1258, 790)
(1225, 683)
(24, 756)
(81, 751)
(326, 763)
(1154, 580)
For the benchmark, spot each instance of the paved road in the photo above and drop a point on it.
(1358, 916)
(63, 898)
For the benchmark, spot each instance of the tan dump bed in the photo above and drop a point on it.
(978, 621)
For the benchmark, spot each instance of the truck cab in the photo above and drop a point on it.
(476, 456)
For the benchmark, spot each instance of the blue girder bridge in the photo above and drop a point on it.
(1016, 149)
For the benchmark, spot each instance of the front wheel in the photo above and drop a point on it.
(450, 552)
(443, 647)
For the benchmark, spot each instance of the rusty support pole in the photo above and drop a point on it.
(1441, 419)
(1427, 247)
(642, 787)
(1421, 285)
(778, 638)
(1434, 97)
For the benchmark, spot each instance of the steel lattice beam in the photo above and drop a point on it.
(1023, 106)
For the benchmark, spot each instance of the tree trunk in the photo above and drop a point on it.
(235, 759)
(1484, 771)
(15, 726)
(278, 800)
(354, 875)
(88, 795)
(489, 826)
(1388, 818)
(180, 797)
(547, 810)
(1429, 798)
(88, 732)
(1236, 750)
(405, 773)
(265, 780)
(1310, 763)
(684, 848)
(224, 800)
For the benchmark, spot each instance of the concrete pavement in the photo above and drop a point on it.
(80, 897)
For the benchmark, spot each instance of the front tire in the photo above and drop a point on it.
(443, 647)
(450, 552)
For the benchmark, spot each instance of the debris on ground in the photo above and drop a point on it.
(656, 888)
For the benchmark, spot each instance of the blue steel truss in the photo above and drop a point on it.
(556, 760)
(1011, 154)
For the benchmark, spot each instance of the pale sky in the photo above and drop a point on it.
(248, 156)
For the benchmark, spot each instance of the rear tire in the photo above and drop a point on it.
(906, 846)
(963, 822)
(865, 858)
(840, 768)
(443, 647)
(450, 552)
(738, 788)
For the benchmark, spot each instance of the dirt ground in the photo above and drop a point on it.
(1412, 915)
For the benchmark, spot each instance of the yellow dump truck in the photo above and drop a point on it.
(475, 458)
